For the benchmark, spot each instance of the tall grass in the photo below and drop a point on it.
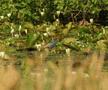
(62, 75)
(9, 78)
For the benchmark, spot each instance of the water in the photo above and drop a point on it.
(43, 71)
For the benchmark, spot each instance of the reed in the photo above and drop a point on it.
(62, 75)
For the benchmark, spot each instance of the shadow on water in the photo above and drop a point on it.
(44, 71)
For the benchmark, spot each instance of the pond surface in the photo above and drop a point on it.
(24, 70)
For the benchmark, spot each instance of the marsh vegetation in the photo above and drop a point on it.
(68, 72)
(53, 44)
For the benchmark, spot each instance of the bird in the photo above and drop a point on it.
(51, 44)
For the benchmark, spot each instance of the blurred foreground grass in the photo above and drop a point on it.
(67, 73)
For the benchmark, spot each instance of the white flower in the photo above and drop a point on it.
(68, 51)
(48, 30)
(45, 34)
(16, 35)
(104, 32)
(42, 13)
(19, 28)
(106, 27)
(9, 14)
(12, 30)
(91, 20)
(58, 12)
(57, 20)
(44, 24)
(38, 46)
(25, 31)
(2, 54)
(2, 17)
(43, 9)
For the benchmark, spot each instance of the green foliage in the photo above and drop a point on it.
(38, 11)
(31, 22)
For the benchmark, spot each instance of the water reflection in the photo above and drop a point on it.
(9, 77)
(40, 71)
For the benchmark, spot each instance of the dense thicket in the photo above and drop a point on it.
(34, 23)
(38, 11)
